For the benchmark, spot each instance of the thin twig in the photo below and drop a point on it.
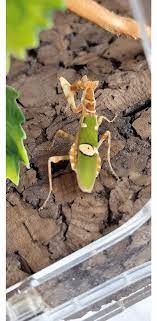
(106, 19)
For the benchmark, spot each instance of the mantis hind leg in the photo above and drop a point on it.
(56, 159)
(107, 135)
(52, 159)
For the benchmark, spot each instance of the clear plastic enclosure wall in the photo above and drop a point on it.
(90, 278)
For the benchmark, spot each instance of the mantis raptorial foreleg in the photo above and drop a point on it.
(107, 135)
(69, 92)
(52, 159)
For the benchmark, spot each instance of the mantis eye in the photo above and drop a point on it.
(87, 149)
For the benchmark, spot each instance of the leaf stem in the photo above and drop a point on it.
(106, 19)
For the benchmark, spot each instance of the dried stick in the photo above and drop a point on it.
(106, 19)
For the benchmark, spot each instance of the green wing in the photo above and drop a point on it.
(86, 167)
(86, 172)
(88, 135)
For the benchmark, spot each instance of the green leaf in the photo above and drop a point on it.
(25, 19)
(15, 150)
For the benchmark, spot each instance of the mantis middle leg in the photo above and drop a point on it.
(101, 118)
(63, 134)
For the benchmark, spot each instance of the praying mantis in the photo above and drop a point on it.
(84, 154)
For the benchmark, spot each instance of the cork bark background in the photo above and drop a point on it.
(73, 48)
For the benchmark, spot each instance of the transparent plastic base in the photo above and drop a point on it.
(88, 280)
